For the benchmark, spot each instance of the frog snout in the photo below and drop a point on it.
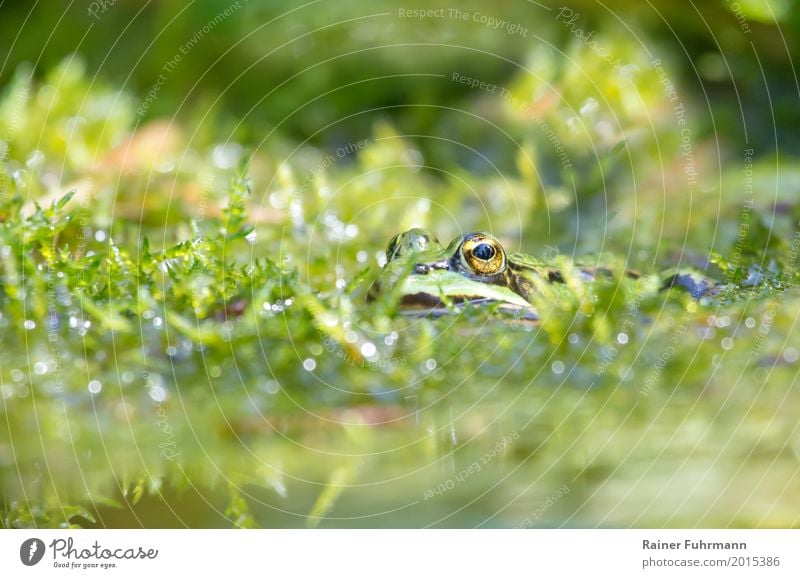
(425, 268)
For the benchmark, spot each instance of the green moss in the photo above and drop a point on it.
(181, 327)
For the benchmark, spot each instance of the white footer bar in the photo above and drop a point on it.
(388, 553)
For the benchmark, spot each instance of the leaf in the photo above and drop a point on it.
(619, 146)
(338, 481)
(59, 204)
(138, 492)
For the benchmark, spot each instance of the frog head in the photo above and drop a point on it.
(427, 277)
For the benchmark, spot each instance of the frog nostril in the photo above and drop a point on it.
(440, 265)
(420, 269)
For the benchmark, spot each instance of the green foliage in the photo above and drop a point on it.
(184, 325)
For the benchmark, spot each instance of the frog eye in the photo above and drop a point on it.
(391, 248)
(482, 254)
(412, 241)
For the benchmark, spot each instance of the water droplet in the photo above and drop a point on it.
(574, 124)
(99, 235)
(35, 160)
(622, 338)
(589, 107)
(727, 344)
(251, 237)
(362, 256)
(309, 364)
(157, 393)
(17, 375)
(430, 364)
(40, 368)
(20, 177)
(95, 386)
(723, 321)
(368, 349)
(790, 354)
(750, 322)
(166, 166)
(215, 371)
(29, 324)
(272, 387)
(557, 367)
(278, 199)
(423, 206)
(629, 70)
(351, 337)
(573, 338)
(351, 231)
(225, 156)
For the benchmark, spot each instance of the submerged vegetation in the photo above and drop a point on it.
(186, 338)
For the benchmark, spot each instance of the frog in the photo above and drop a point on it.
(474, 269)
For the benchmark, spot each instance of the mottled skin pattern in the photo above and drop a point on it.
(475, 268)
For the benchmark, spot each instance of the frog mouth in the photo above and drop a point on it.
(428, 300)
(435, 289)
(452, 292)
(427, 305)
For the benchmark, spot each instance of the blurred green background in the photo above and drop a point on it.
(186, 342)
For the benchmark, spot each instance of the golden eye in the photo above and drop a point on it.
(483, 254)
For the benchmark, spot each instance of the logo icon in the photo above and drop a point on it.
(31, 551)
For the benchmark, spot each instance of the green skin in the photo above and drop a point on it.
(428, 278)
